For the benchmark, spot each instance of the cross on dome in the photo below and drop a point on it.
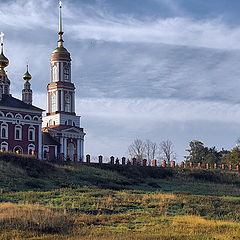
(60, 4)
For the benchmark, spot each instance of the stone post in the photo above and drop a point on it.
(207, 166)
(144, 162)
(215, 166)
(173, 164)
(112, 160)
(100, 159)
(164, 164)
(223, 167)
(134, 161)
(182, 165)
(154, 163)
(88, 159)
(191, 164)
(238, 168)
(123, 160)
(199, 165)
(230, 167)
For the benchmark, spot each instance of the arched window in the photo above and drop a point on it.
(50, 122)
(18, 150)
(9, 115)
(4, 146)
(31, 134)
(67, 102)
(27, 117)
(35, 118)
(1, 114)
(18, 116)
(4, 131)
(31, 149)
(18, 132)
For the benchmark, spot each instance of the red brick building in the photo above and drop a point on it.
(20, 121)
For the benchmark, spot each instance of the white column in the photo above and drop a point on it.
(40, 141)
(56, 151)
(61, 74)
(73, 102)
(78, 149)
(57, 101)
(58, 72)
(61, 148)
(65, 148)
(62, 100)
(82, 149)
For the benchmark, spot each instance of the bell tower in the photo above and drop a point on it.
(61, 121)
(61, 90)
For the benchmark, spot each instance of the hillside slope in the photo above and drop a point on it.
(40, 200)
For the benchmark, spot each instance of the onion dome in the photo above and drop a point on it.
(4, 62)
(27, 76)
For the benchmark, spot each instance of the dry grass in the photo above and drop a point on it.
(33, 218)
(18, 222)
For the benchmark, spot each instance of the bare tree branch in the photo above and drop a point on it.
(167, 152)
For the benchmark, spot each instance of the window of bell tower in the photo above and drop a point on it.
(66, 73)
(67, 102)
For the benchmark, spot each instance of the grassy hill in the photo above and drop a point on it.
(42, 200)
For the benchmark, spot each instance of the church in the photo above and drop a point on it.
(24, 129)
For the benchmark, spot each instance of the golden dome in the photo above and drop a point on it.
(60, 50)
(27, 76)
(3, 60)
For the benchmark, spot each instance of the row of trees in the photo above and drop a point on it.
(197, 152)
(200, 153)
(149, 150)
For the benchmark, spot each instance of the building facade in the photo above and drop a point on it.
(20, 121)
(58, 135)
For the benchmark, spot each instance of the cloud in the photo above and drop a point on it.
(147, 77)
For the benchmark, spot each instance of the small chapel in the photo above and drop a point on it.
(24, 129)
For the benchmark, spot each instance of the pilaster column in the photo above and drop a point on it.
(62, 100)
(78, 149)
(61, 147)
(82, 149)
(73, 102)
(65, 148)
(57, 101)
(40, 141)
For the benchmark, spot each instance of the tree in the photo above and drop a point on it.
(150, 150)
(198, 153)
(137, 150)
(166, 151)
(232, 157)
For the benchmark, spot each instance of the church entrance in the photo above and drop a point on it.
(71, 151)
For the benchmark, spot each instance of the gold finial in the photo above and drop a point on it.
(60, 26)
(27, 76)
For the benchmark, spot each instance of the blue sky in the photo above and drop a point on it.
(149, 69)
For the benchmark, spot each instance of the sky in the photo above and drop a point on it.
(148, 69)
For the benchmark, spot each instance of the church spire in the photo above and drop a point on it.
(60, 27)
(27, 91)
(4, 62)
